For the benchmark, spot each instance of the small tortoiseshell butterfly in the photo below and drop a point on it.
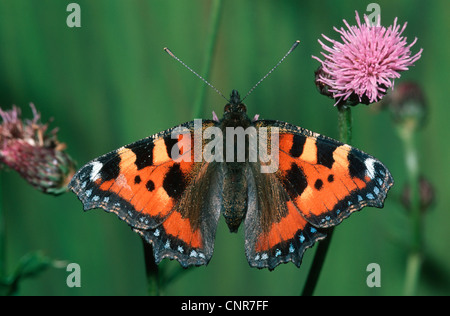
(175, 202)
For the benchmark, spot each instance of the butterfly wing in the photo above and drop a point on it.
(318, 183)
(158, 188)
(275, 230)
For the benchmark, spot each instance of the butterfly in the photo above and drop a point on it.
(285, 184)
(174, 199)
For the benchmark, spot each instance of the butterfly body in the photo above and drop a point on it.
(235, 177)
(175, 203)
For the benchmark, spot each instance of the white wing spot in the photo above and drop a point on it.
(95, 172)
(370, 165)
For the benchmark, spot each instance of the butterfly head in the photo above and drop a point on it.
(235, 111)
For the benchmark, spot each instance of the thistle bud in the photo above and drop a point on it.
(426, 193)
(407, 105)
(37, 155)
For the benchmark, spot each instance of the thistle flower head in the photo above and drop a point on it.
(362, 67)
(37, 155)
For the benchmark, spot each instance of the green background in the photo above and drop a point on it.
(110, 83)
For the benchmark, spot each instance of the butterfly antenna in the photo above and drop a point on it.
(168, 51)
(276, 66)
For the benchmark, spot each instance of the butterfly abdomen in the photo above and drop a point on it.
(234, 205)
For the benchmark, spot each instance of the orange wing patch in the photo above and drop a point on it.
(142, 188)
(283, 230)
(181, 228)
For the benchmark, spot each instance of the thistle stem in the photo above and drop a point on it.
(345, 125)
(345, 136)
(151, 269)
(317, 264)
(211, 43)
(414, 260)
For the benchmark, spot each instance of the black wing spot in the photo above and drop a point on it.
(297, 146)
(150, 185)
(319, 184)
(144, 154)
(174, 182)
(111, 166)
(330, 178)
(325, 152)
(357, 167)
(137, 179)
(170, 142)
(295, 181)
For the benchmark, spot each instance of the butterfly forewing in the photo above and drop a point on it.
(326, 179)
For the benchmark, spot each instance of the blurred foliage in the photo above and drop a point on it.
(109, 83)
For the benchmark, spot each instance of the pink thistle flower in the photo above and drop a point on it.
(362, 67)
(26, 147)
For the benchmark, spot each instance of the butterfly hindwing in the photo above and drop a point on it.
(194, 242)
(161, 198)
(275, 230)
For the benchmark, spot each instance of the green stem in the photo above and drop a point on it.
(345, 125)
(414, 260)
(151, 269)
(413, 265)
(345, 136)
(211, 43)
